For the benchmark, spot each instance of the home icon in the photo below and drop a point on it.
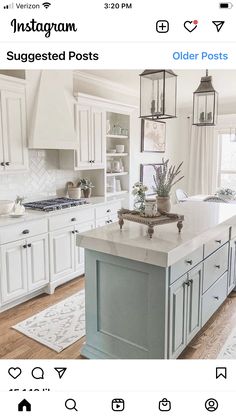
(24, 405)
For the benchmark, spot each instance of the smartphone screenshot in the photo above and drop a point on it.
(117, 209)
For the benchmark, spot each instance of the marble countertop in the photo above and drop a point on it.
(203, 221)
(31, 215)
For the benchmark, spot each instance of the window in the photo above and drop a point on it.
(227, 159)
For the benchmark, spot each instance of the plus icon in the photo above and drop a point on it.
(162, 26)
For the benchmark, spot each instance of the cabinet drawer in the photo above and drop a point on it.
(213, 298)
(215, 266)
(216, 243)
(71, 218)
(109, 208)
(23, 230)
(185, 264)
(106, 221)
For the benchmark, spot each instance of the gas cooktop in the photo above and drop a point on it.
(54, 204)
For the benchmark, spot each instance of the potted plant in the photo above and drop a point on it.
(139, 191)
(164, 179)
(86, 186)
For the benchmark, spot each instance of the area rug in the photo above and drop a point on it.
(229, 349)
(59, 326)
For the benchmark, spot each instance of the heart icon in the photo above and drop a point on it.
(14, 372)
(190, 25)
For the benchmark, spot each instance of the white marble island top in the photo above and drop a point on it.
(203, 221)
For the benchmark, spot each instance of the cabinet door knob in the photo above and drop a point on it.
(2, 163)
(73, 219)
(7, 163)
(216, 297)
(218, 241)
(189, 262)
(108, 210)
(24, 246)
(76, 231)
(73, 232)
(29, 245)
(25, 232)
(217, 266)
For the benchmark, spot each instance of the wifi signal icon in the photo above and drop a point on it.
(46, 4)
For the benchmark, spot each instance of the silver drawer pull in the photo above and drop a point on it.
(218, 241)
(189, 262)
(25, 232)
(216, 297)
(217, 266)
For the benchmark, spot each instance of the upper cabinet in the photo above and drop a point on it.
(90, 129)
(51, 110)
(13, 131)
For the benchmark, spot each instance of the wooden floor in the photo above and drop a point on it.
(14, 345)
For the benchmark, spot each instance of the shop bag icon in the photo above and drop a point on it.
(164, 405)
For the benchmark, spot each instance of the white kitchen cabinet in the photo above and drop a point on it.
(83, 130)
(13, 270)
(97, 137)
(90, 128)
(66, 259)
(38, 262)
(79, 251)
(25, 267)
(13, 147)
(90, 122)
(62, 253)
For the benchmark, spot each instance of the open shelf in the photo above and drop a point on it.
(117, 154)
(117, 174)
(109, 194)
(118, 137)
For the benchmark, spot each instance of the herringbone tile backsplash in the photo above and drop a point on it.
(43, 177)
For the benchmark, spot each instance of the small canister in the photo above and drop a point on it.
(151, 208)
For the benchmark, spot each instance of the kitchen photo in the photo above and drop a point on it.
(118, 214)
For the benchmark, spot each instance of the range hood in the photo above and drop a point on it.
(52, 122)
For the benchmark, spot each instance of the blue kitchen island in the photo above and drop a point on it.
(148, 298)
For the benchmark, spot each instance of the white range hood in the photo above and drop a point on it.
(52, 122)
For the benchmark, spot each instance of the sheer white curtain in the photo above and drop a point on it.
(203, 161)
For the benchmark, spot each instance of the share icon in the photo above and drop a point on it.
(60, 371)
(218, 24)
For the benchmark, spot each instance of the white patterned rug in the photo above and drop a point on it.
(59, 325)
(229, 349)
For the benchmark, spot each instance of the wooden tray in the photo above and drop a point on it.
(151, 222)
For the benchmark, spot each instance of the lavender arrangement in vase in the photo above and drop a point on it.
(165, 179)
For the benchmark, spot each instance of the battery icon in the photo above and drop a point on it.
(226, 5)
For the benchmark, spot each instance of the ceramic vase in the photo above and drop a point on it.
(87, 192)
(163, 203)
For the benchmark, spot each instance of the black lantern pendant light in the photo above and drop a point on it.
(205, 103)
(158, 94)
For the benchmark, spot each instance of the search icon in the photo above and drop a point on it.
(71, 404)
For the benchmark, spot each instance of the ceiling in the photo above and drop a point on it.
(224, 81)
